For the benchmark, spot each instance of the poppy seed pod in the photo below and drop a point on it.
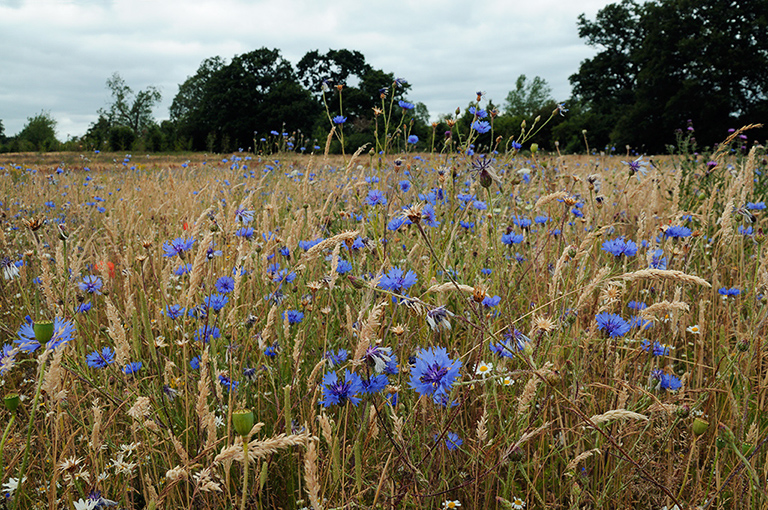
(242, 420)
(699, 426)
(43, 331)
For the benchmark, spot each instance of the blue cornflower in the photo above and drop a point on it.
(635, 305)
(452, 440)
(216, 301)
(375, 197)
(91, 284)
(378, 357)
(132, 368)
(294, 316)
(521, 222)
(677, 232)
(670, 382)
(63, 332)
(413, 139)
(613, 324)
(638, 322)
(183, 269)
(490, 302)
(244, 216)
(541, 220)
(397, 222)
(512, 342)
(339, 120)
(397, 280)
(405, 105)
(439, 318)
(405, 185)
(336, 358)
(375, 384)
(285, 252)
(250, 374)
(745, 231)
(271, 350)
(729, 293)
(638, 166)
(212, 252)
(306, 245)
(227, 382)
(101, 359)
(479, 205)
(177, 247)
(174, 311)
(343, 266)
(428, 216)
(658, 260)
(434, 373)
(755, 206)
(83, 307)
(512, 238)
(8, 358)
(194, 363)
(619, 246)
(481, 126)
(338, 393)
(283, 274)
(246, 232)
(206, 332)
(225, 284)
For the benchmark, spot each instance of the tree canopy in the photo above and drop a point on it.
(662, 64)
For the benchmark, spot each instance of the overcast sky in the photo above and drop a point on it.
(56, 55)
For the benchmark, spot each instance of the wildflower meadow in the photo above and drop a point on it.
(435, 323)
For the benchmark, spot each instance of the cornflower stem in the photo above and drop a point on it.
(2, 443)
(19, 490)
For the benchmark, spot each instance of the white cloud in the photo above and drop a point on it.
(63, 51)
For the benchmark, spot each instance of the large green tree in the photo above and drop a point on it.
(129, 109)
(666, 62)
(224, 106)
(38, 134)
(528, 97)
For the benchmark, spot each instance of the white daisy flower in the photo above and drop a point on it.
(483, 368)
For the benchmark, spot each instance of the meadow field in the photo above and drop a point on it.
(512, 329)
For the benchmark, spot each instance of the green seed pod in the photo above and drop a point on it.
(43, 331)
(699, 426)
(12, 401)
(534, 148)
(242, 420)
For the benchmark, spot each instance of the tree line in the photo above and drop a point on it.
(662, 67)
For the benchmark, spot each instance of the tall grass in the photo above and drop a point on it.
(553, 407)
